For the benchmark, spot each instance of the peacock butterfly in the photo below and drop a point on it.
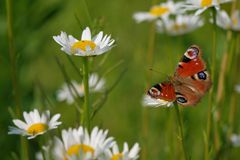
(189, 83)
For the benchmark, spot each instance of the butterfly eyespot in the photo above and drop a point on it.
(157, 87)
(181, 100)
(192, 53)
(154, 92)
(202, 75)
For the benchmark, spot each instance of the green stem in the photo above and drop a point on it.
(180, 129)
(210, 104)
(233, 100)
(13, 57)
(87, 12)
(86, 110)
(145, 115)
(24, 146)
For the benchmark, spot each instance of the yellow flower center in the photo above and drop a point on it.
(178, 27)
(206, 3)
(37, 128)
(159, 10)
(235, 21)
(117, 156)
(74, 149)
(83, 45)
(81, 88)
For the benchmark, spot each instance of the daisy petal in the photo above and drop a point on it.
(86, 34)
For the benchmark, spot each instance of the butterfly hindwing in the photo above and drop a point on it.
(185, 96)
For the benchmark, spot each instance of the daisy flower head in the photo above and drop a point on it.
(235, 139)
(182, 24)
(67, 93)
(203, 5)
(237, 88)
(39, 156)
(78, 143)
(158, 11)
(149, 101)
(35, 124)
(44, 153)
(126, 154)
(228, 23)
(87, 46)
(68, 145)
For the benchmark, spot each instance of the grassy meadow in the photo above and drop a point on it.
(127, 72)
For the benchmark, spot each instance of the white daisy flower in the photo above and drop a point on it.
(96, 84)
(87, 46)
(226, 22)
(68, 146)
(39, 156)
(78, 143)
(158, 11)
(202, 5)
(237, 88)
(153, 102)
(182, 24)
(126, 154)
(235, 139)
(35, 124)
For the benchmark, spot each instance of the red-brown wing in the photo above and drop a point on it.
(191, 80)
(185, 96)
(192, 89)
(191, 62)
(199, 82)
(164, 91)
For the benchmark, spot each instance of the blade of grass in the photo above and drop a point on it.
(71, 88)
(180, 130)
(100, 102)
(74, 66)
(85, 7)
(44, 95)
(13, 65)
(211, 94)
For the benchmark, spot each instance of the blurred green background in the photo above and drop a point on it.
(34, 24)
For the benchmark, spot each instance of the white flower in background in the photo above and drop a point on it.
(202, 5)
(87, 46)
(35, 124)
(44, 153)
(96, 84)
(39, 156)
(79, 144)
(126, 154)
(235, 139)
(154, 102)
(68, 146)
(158, 11)
(237, 88)
(226, 22)
(182, 24)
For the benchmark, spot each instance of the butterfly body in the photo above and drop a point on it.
(190, 81)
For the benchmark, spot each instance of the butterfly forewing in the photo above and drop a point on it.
(191, 62)
(164, 91)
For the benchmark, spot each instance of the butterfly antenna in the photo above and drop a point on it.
(157, 71)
